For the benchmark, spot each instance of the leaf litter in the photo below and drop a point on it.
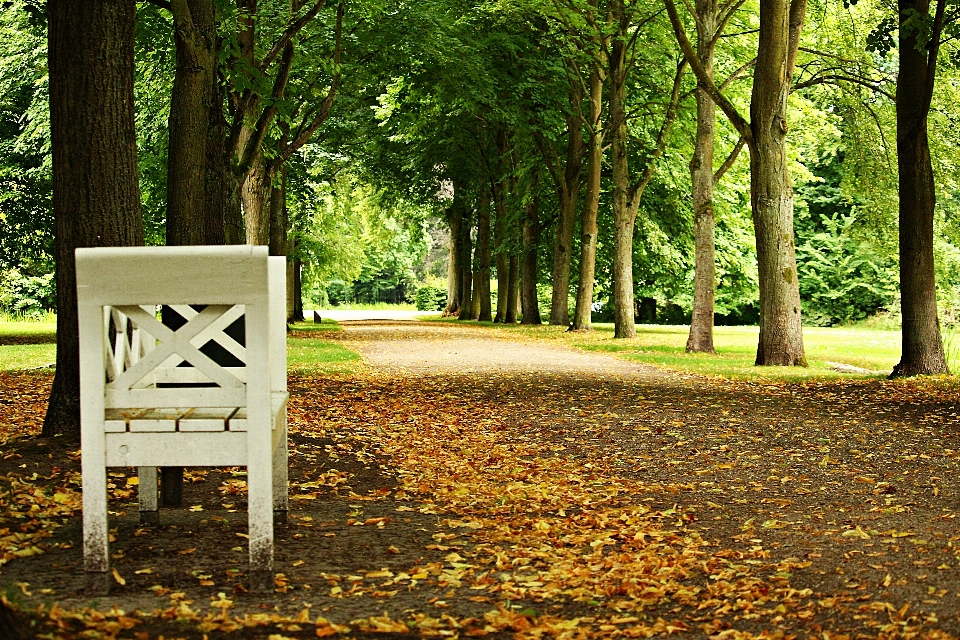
(533, 506)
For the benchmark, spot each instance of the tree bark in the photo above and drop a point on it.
(623, 217)
(529, 300)
(771, 191)
(482, 287)
(454, 272)
(255, 194)
(500, 225)
(569, 194)
(194, 34)
(466, 264)
(513, 290)
(922, 345)
(591, 206)
(700, 339)
(96, 194)
(296, 290)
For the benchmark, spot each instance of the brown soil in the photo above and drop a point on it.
(845, 488)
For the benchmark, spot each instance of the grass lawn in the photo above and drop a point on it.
(307, 351)
(663, 345)
(27, 344)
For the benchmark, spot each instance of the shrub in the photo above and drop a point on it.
(25, 295)
(430, 298)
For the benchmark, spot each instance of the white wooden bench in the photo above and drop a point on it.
(151, 398)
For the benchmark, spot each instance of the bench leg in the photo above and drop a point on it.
(96, 552)
(171, 486)
(147, 491)
(260, 520)
(281, 502)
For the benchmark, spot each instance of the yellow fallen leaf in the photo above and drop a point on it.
(134, 481)
(297, 563)
(118, 577)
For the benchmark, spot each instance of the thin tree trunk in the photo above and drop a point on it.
(278, 214)
(700, 339)
(189, 120)
(500, 239)
(454, 286)
(922, 350)
(513, 290)
(223, 218)
(296, 283)
(771, 192)
(591, 206)
(624, 218)
(569, 195)
(482, 287)
(96, 194)
(466, 265)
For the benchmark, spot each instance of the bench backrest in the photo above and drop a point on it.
(130, 359)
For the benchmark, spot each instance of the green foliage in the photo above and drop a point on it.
(26, 295)
(26, 216)
(430, 298)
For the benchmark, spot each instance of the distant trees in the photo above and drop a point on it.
(567, 146)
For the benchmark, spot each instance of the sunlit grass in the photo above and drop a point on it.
(27, 356)
(315, 355)
(664, 345)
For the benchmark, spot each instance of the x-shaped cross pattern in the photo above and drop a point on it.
(179, 344)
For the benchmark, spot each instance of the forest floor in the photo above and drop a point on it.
(468, 483)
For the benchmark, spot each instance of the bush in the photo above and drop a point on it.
(25, 295)
(430, 298)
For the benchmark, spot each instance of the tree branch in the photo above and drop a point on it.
(703, 79)
(734, 153)
(288, 35)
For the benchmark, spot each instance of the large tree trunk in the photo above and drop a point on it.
(591, 206)
(482, 287)
(531, 239)
(922, 350)
(96, 194)
(569, 194)
(189, 120)
(700, 339)
(255, 194)
(771, 192)
(623, 214)
(278, 215)
(454, 272)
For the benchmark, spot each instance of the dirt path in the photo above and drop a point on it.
(417, 348)
(491, 487)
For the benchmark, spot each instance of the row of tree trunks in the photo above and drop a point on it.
(96, 193)
(481, 290)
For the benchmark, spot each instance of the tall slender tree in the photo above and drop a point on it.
(922, 351)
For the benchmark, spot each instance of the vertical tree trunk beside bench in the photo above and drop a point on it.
(140, 407)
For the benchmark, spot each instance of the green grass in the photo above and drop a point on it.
(315, 355)
(27, 343)
(664, 346)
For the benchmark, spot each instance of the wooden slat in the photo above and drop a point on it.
(206, 449)
(193, 397)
